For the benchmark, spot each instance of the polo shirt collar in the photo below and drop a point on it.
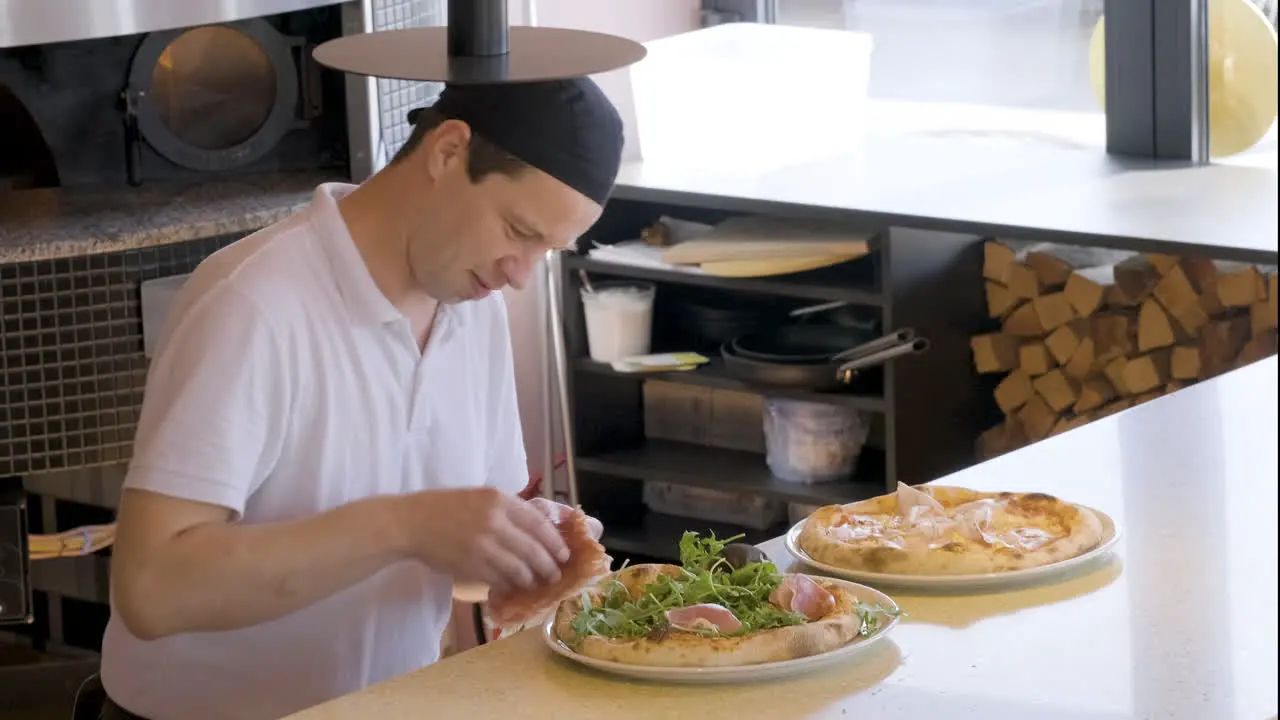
(365, 302)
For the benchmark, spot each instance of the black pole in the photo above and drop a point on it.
(478, 28)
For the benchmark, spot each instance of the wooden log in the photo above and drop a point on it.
(1058, 391)
(994, 352)
(1273, 293)
(1262, 318)
(1258, 348)
(1147, 372)
(1112, 408)
(1023, 283)
(1203, 274)
(1050, 270)
(1013, 392)
(1147, 397)
(1083, 363)
(1242, 287)
(1069, 422)
(1220, 344)
(1062, 343)
(1114, 335)
(1185, 363)
(1116, 299)
(1025, 322)
(1114, 372)
(1094, 393)
(1179, 298)
(1162, 263)
(997, 257)
(1174, 386)
(1262, 314)
(1000, 301)
(1054, 310)
(1037, 418)
(1154, 329)
(1086, 289)
(1035, 359)
(1002, 438)
(1135, 279)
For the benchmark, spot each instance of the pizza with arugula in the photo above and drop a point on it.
(711, 612)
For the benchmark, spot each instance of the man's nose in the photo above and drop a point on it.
(517, 268)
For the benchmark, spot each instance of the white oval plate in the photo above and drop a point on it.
(741, 673)
(1110, 536)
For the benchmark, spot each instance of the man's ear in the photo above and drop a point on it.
(446, 147)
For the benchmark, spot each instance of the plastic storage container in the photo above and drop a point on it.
(810, 442)
(619, 317)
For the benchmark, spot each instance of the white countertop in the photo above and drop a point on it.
(1181, 623)
(770, 116)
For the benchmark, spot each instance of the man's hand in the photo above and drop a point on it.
(555, 511)
(484, 535)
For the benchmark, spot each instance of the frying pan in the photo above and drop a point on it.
(828, 375)
(812, 343)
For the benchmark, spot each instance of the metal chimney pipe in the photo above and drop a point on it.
(478, 28)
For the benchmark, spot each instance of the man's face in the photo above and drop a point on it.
(470, 239)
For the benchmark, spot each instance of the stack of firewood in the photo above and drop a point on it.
(1079, 342)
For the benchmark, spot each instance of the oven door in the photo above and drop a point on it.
(376, 107)
(36, 22)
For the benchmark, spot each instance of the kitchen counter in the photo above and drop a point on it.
(821, 148)
(1180, 622)
(57, 223)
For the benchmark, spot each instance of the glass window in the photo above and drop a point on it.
(1010, 67)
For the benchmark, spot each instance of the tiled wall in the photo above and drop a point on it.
(397, 97)
(72, 368)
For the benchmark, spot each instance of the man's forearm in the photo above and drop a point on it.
(220, 576)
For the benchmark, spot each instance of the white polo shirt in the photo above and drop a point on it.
(285, 385)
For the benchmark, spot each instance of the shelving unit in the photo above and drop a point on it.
(818, 287)
(713, 375)
(930, 406)
(681, 463)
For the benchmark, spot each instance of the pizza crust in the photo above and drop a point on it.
(682, 649)
(1071, 530)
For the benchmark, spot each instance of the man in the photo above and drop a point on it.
(330, 433)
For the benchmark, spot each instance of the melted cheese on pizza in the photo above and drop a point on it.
(921, 522)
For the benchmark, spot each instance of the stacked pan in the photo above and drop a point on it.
(817, 358)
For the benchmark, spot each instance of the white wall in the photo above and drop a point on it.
(640, 20)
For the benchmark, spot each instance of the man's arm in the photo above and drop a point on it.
(217, 405)
(183, 566)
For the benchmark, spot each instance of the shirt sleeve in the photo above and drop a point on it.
(212, 420)
(508, 465)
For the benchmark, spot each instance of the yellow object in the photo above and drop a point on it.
(780, 266)
(664, 362)
(1242, 74)
(72, 543)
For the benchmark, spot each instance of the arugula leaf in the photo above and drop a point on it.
(871, 614)
(698, 553)
(706, 577)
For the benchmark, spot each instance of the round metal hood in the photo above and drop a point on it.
(479, 47)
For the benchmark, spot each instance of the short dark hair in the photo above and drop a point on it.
(483, 157)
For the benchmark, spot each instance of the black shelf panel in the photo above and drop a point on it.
(713, 375)
(658, 535)
(733, 471)
(795, 287)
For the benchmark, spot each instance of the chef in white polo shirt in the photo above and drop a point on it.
(330, 435)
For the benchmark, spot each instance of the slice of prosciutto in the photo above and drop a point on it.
(802, 595)
(705, 617)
